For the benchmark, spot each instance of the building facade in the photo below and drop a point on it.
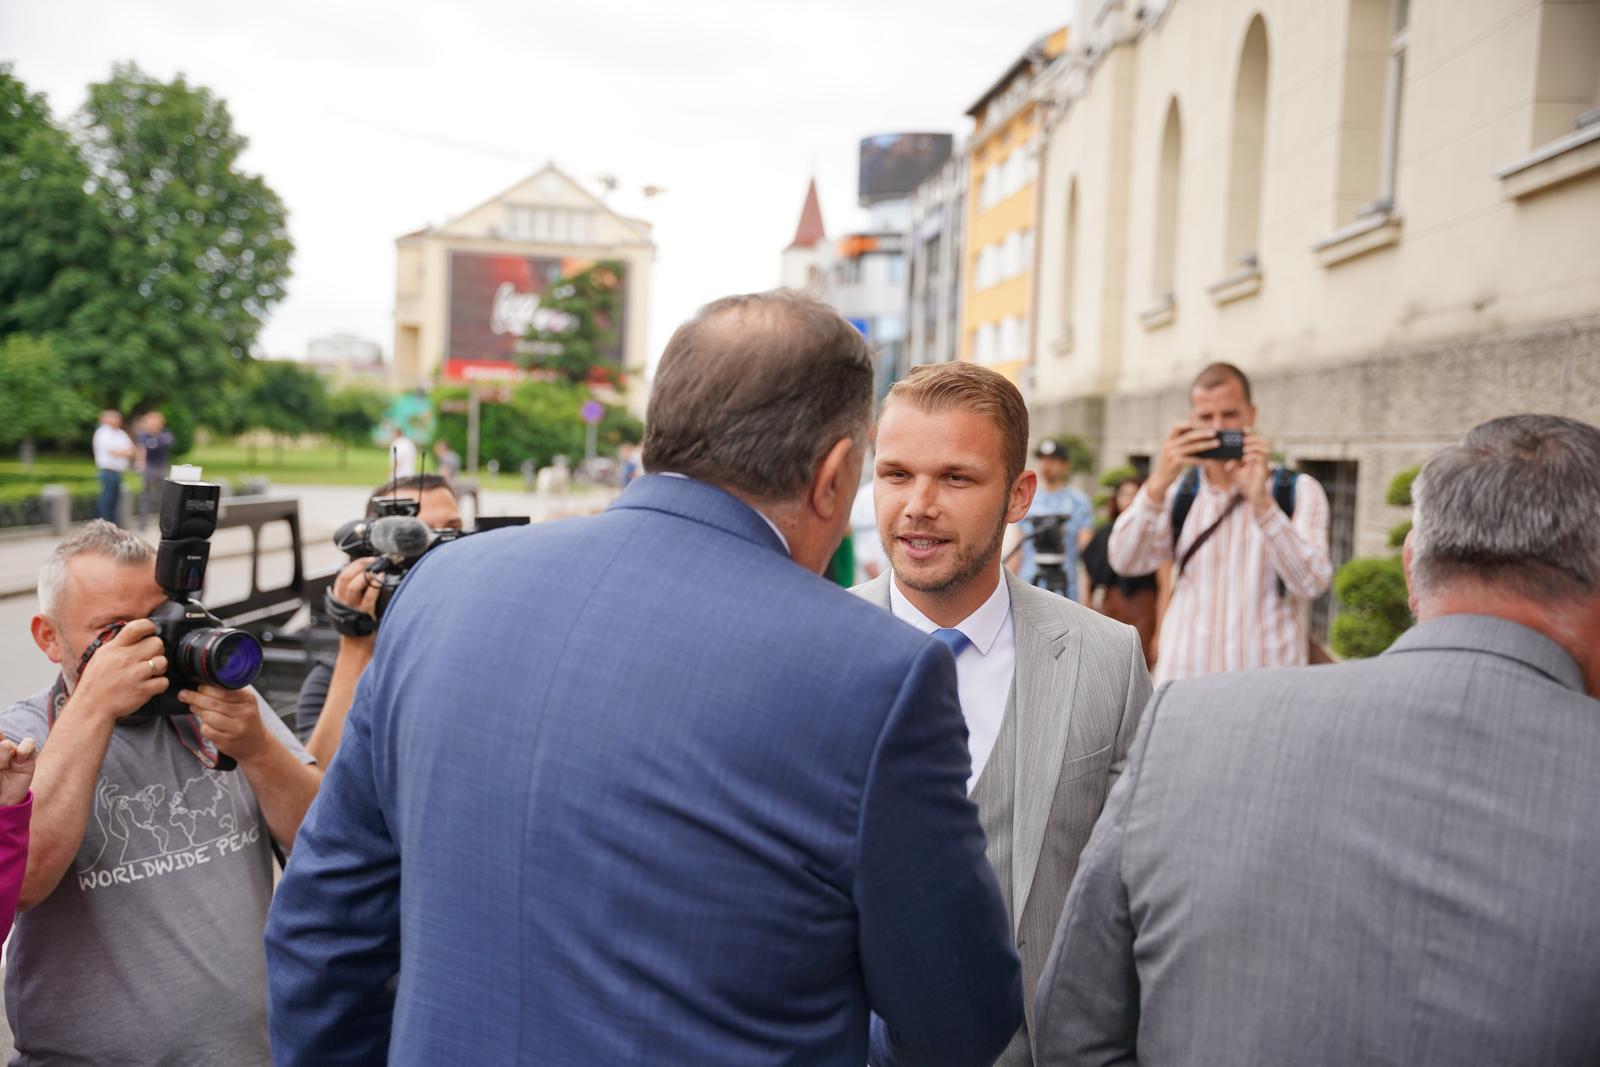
(997, 299)
(467, 292)
(935, 248)
(1387, 212)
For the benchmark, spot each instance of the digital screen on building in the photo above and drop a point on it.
(893, 164)
(495, 300)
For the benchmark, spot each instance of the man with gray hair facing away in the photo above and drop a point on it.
(1389, 861)
(642, 787)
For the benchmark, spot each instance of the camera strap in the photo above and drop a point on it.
(1205, 535)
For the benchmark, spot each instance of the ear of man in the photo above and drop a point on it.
(47, 637)
(829, 495)
(1022, 493)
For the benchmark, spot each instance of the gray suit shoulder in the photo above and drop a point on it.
(1071, 614)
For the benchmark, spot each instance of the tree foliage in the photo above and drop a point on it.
(286, 399)
(36, 404)
(1375, 606)
(51, 236)
(139, 247)
(197, 249)
(542, 420)
(578, 343)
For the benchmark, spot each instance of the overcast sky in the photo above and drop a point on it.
(373, 119)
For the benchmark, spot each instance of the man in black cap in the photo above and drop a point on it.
(1059, 522)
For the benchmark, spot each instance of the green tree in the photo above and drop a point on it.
(354, 412)
(542, 420)
(286, 400)
(197, 249)
(51, 234)
(578, 343)
(36, 404)
(1374, 606)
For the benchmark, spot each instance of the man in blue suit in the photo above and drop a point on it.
(642, 788)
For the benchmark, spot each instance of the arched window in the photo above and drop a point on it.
(1370, 107)
(1243, 234)
(1069, 268)
(1165, 275)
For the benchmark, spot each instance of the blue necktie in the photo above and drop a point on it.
(952, 639)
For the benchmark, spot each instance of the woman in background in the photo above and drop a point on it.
(1135, 601)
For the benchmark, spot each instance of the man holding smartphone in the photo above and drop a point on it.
(1248, 541)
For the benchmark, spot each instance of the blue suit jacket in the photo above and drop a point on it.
(638, 789)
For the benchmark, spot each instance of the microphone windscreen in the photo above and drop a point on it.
(400, 536)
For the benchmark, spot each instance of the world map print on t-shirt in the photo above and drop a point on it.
(152, 831)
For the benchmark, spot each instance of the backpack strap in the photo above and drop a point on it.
(1283, 483)
(1188, 489)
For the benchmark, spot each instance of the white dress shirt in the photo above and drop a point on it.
(984, 669)
(108, 442)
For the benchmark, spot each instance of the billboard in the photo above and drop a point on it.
(495, 299)
(893, 164)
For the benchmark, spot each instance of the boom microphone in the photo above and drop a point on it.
(400, 537)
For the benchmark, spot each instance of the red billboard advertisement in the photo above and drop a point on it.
(496, 299)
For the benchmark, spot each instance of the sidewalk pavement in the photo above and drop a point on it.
(323, 509)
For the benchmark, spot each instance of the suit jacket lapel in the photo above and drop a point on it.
(1046, 679)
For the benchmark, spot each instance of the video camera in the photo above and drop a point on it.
(395, 539)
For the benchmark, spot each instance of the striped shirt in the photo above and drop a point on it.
(1226, 613)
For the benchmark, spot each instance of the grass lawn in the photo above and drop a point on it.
(229, 462)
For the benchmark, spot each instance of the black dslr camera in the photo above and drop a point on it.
(199, 649)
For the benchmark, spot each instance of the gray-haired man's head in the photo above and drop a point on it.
(98, 575)
(1516, 507)
(769, 397)
(752, 392)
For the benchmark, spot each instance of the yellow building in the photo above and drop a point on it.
(1000, 214)
(467, 291)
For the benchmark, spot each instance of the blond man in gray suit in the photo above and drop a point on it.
(1051, 691)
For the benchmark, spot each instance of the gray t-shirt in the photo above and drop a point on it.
(149, 951)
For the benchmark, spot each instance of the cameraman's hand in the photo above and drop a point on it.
(1178, 453)
(16, 770)
(123, 674)
(229, 719)
(355, 587)
(1250, 474)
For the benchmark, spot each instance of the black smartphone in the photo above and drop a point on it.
(1230, 445)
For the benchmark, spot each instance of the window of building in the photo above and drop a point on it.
(1008, 338)
(1163, 279)
(984, 344)
(1567, 82)
(897, 270)
(1339, 480)
(1245, 179)
(1394, 85)
(1069, 269)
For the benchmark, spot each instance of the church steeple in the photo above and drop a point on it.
(809, 233)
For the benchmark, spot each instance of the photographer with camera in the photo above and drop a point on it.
(1056, 528)
(330, 688)
(149, 866)
(1248, 540)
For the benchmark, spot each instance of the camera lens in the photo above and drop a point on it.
(226, 657)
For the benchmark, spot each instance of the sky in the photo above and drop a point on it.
(375, 119)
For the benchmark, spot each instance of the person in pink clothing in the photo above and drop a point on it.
(16, 808)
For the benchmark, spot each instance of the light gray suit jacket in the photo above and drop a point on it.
(1079, 685)
(1393, 861)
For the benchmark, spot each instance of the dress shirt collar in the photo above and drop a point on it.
(982, 627)
(758, 511)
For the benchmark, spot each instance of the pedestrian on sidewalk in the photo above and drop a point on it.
(113, 452)
(155, 460)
